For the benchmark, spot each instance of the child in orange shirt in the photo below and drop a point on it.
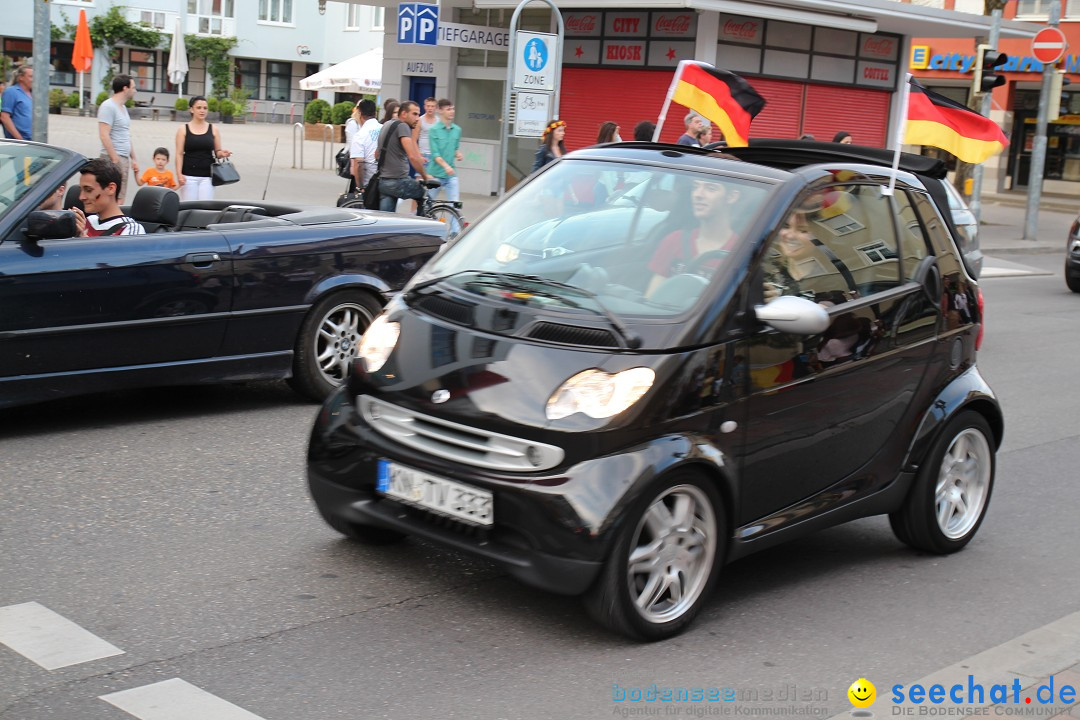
(158, 176)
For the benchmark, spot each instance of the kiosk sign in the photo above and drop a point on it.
(535, 64)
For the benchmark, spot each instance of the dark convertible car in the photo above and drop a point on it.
(214, 292)
(651, 360)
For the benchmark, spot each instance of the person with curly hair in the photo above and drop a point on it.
(552, 146)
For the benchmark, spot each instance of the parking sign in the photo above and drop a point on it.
(418, 24)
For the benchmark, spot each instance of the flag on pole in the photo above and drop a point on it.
(720, 96)
(937, 121)
(82, 54)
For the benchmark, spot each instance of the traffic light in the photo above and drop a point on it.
(1058, 81)
(987, 60)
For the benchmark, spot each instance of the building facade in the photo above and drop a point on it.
(822, 65)
(947, 65)
(279, 42)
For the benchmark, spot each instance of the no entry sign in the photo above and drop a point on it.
(1049, 45)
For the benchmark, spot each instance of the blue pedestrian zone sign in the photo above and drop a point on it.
(418, 24)
(536, 55)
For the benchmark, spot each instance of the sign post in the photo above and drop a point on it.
(534, 67)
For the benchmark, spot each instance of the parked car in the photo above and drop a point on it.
(1072, 257)
(216, 292)
(604, 401)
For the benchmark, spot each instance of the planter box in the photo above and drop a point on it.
(317, 132)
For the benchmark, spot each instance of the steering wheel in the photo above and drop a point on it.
(698, 266)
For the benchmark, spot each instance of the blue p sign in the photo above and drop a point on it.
(418, 24)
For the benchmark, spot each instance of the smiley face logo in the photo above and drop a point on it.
(862, 693)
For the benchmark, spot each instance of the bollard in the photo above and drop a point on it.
(300, 127)
(292, 106)
(254, 109)
(327, 134)
(273, 111)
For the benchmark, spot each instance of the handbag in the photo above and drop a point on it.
(372, 196)
(343, 163)
(223, 172)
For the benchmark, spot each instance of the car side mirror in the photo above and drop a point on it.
(51, 225)
(796, 315)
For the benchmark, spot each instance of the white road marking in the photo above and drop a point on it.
(48, 638)
(996, 267)
(175, 699)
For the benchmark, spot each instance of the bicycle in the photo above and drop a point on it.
(445, 211)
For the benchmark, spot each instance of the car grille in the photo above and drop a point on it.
(453, 441)
(455, 312)
(572, 335)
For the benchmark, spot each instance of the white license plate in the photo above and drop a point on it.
(463, 502)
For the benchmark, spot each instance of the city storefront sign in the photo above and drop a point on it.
(475, 37)
(923, 59)
(741, 30)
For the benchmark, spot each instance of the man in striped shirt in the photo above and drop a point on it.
(97, 191)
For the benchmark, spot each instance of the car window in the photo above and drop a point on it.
(834, 245)
(22, 168)
(913, 243)
(642, 240)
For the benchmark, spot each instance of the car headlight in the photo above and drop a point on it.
(599, 394)
(378, 342)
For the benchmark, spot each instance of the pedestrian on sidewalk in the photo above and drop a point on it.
(198, 144)
(17, 105)
(364, 142)
(609, 133)
(445, 146)
(390, 111)
(644, 130)
(114, 128)
(552, 146)
(401, 153)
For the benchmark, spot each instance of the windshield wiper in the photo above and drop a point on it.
(630, 339)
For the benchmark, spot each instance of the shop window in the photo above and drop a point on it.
(276, 11)
(279, 79)
(247, 76)
(141, 65)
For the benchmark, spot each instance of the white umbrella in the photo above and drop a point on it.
(360, 74)
(178, 65)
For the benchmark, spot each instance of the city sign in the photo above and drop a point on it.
(535, 61)
(418, 24)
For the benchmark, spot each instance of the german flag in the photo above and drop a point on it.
(721, 97)
(937, 121)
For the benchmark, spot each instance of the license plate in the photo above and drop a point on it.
(462, 502)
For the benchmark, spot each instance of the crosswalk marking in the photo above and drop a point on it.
(48, 638)
(175, 699)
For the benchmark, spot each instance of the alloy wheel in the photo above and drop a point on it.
(338, 339)
(963, 482)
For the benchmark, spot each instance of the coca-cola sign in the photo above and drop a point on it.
(879, 47)
(582, 24)
(673, 24)
(740, 30)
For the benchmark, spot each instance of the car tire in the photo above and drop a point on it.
(672, 541)
(366, 534)
(1072, 281)
(329, 340)
(951, 493)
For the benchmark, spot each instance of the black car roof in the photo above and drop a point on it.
(680, 156)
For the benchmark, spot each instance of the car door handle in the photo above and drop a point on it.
(205, 259)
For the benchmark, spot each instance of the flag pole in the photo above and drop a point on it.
(667, 100)
(81, 91)
(901, 126)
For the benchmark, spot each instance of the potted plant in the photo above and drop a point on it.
(228, 109)
(239, 98)
(213, 105)
(339, 115)
(71, 105)
(101, 97)
(180, 109)
(313, 119)
(56, 101)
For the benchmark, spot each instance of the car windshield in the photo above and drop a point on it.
(605, 237)
(22, 167)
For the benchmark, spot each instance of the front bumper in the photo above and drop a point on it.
(551, 529)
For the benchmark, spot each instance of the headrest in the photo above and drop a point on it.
(155, 205)
(71, 197)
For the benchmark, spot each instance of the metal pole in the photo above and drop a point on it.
(984, 109)
(1038, 151)
(327, 134)
(300, 127)
(511, 50)
(40, 87)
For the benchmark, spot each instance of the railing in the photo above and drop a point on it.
(300, 127)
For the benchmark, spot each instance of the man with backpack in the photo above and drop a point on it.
(397, 153)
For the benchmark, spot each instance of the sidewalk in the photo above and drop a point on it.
(264, 156)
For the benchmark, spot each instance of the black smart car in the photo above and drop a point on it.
(650, 360)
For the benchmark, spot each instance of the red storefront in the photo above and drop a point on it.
(618, 66)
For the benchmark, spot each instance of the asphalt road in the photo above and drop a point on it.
(175, 525)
